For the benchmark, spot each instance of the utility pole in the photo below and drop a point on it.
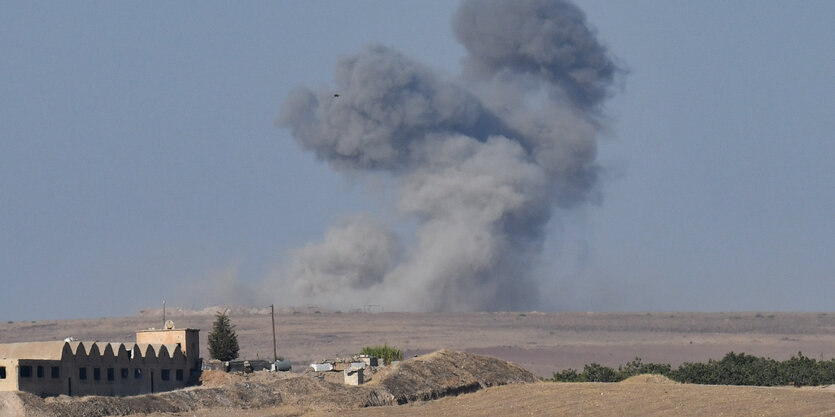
(163, 314)
(275, 352)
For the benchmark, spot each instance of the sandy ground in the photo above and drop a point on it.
(645, 396)
(540, 342)
(551, 399)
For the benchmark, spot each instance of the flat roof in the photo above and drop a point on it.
(33, 350)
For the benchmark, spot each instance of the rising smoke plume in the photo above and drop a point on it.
(480, 162)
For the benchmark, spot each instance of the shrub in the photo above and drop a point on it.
(223, 342)
(569, 375)
(733, 369)
(638, 367)
(695, 373)
(385, 352)
(803, 371)
(596, 372)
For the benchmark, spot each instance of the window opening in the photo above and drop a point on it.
(25, 371)
(137, 373)
(56, 372)
(166, 375)
(97, 374)
(124, 373)
(82, 373)
(40, 371)
(2, 372)
(179, 374)
(111, 374)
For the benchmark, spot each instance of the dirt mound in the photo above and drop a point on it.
(312, 392)
(648, 379)
(10, 405)
(236, 395)
(219, 378)
(445, 372)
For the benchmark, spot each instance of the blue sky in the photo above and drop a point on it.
(139, 159)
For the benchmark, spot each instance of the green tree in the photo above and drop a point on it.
(223, 342)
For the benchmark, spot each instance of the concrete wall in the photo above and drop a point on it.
(354, 376)
(188, 339)
(90, 368)
(96, 374)
(36, 376)
(8, 367)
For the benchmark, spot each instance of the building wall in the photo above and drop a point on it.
(8, 375)
(353, 377)
(188, 339)
(41, 377)
(101, 375)
(87, 368)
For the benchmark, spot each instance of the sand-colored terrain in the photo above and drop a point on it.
(540, 342)
(644, 395)
(431, 376)
(621, 399)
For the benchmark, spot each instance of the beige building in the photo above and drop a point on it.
(160, 360)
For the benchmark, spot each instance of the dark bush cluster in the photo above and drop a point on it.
(595, 372)
(733, 369)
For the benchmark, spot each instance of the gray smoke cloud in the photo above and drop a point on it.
(479, 162)
(541, 38)
(354, 257)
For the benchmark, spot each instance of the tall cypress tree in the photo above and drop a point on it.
(223, 342)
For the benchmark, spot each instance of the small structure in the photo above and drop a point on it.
(370, 361)
(354, 375)
(348, 371)
(322, 367)
(160, 360)
(281, 365)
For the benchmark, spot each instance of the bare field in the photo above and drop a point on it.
(541, 342)
(621, 399)
(643, 395)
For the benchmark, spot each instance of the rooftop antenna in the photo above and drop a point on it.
(275, 352)
(163, 314)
